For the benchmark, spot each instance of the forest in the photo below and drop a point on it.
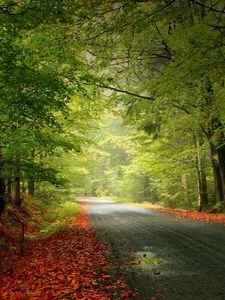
(110, 98)
(116, 99)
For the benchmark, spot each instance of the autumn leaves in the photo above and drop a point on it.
(69, 265)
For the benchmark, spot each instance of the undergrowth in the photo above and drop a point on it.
(40, 218)
(57, 215)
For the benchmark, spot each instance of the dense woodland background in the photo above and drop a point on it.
(113, 98)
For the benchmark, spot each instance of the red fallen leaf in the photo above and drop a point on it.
(195, 215)
(70, 270)
(129, 294)
(104, 277)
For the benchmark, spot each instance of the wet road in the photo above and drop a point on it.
(179, 258)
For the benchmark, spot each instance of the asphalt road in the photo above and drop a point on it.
(178, 258)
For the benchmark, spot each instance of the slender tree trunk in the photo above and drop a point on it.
(9, 189)
(17, 183)
(191, 20)
(31, 183)
(30, 187)
(146, 187)
(203, 190)
(17, 192)
(184, 182)
(218, 186)
(202, 182)
(23, 187)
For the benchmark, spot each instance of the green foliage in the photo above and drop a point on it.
(172, 51)
(61, 62)
(51, 228)
(63, 212)
(50, 216)
(57, 217)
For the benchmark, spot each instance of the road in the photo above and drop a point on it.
(178, 258)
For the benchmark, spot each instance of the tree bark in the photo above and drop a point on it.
(202, 188)
(218, 186)
(221, 158)
(202, 182)
(146, 187)
(30, 187)
(184, 182)
(31, 184)
(8, 189)
(214, 133)
(17, 192)
(17, 183)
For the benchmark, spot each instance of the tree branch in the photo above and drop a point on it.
(184, 109)
(114, 9)
(167, 48)
(152, 98)
(6, 9)
(210, 8)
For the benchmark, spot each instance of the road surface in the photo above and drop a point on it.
(178, 258)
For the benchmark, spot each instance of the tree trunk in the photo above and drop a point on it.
(218, 185)
(213, 131)
(146, 187)
(203, 191)
(17, 183)
(30, 187)
(9, 189)
(23, 187)
(31, 184)
(17, 192)
(184, 182)
(202, 182)
(221, 158)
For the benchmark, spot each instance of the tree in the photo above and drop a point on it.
(41, 70)
(171, 51)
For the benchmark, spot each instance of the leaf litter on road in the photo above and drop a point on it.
(196, 215)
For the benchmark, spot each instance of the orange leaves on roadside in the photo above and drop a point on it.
(204, 216)
(70, 265)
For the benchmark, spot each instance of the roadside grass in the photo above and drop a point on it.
(137, 203)
(58, 216)
(50, 217)
(147, 205)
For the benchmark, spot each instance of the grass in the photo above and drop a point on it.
(49, 217)
(132, 202)
(58, 216)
